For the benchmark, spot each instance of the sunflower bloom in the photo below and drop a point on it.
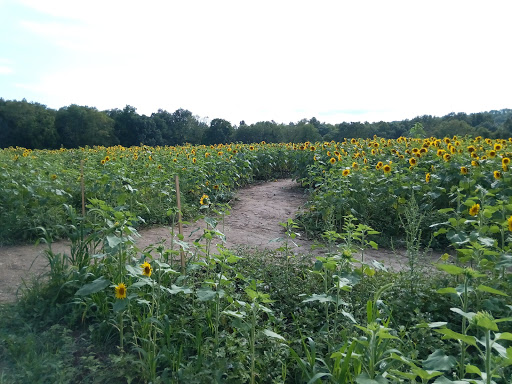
(505, 161)
(464, 170)
(509, 222)
(146, 269)
(473, 211)
(202, 200)
(413, 161)
(497, 175)
(386, 168)
(120, 291)
(427, 178)
(346, 172)
(333, 160)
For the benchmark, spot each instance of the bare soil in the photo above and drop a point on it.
(253, 222)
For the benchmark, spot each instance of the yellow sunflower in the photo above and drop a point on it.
(427, 178)
(497, 175)
(387, 168)
(146, 269)
(473, 211)
(413, 161)
(120, 291)
(202, 200)
(333, 160)
(509, 222)
(464, 170)
(346, 172)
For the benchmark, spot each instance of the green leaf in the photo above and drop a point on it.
(238, 315)
(472, 369)
(485, 288)
(432, 325)
(363, 378)
(444, 380)
(96, 286)
(120, 304)
(270, 333)
(457, 237)
(449, 334)
(467, 315)
(175, 289)
(439, 361)
(319, 375)
(113, 241)
(447, 290)
(450, 268)
(487, 241)
(206, 294)
(323, 298)
(135, 272)
(373, 244)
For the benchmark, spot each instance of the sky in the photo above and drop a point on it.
(358, 60)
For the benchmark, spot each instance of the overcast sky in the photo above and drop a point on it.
(261, 60)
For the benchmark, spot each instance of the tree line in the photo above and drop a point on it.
(33, 125)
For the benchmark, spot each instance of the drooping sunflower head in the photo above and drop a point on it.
(146, 269)
(473, 211)
(204, 200)
(120, 291)
(427, 178)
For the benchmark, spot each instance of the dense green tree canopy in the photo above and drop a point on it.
(33, 125)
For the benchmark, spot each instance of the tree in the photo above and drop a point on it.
(220, 131)
(126, 127)
(80, 126)
(29, 125)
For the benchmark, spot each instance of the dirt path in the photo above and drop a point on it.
(254, 221)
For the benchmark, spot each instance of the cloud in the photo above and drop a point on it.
(269, 60)
(5, 70)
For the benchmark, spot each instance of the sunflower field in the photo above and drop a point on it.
(109, 312)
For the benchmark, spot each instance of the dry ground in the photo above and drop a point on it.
(254, 221)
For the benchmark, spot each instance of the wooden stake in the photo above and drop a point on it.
(82, 186)
(180, 225)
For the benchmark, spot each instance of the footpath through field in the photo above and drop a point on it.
(254, 221)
